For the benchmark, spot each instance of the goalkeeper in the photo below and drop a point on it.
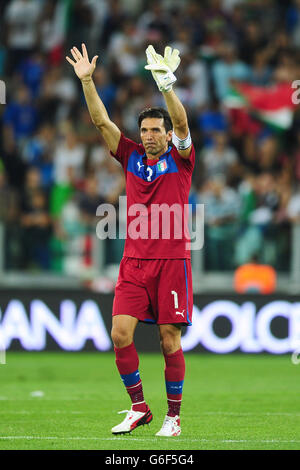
(155, 278)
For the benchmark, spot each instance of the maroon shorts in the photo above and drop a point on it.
(155, 290)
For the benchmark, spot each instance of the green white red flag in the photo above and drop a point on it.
(272, 105)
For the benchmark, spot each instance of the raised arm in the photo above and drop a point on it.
(162, 69)
(84, 70)
(179, 119)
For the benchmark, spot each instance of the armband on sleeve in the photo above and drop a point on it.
(182, 144)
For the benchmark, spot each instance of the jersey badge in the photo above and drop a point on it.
(162, 166)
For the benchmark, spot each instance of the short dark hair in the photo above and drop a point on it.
(157, 112)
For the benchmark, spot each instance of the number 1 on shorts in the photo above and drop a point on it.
(175, 298)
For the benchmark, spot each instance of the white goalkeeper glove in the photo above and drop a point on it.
(162, 68)
(171, 58)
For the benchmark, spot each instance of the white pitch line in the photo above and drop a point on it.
(29, 412)
(144, 439)
(205, 413)
(245, 413)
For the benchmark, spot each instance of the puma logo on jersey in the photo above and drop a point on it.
(139, 165)
(180, 313)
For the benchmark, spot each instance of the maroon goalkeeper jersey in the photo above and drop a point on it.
(157, 202)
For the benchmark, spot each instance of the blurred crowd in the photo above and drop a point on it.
(54, 167)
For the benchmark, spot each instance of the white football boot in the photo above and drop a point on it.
(170, 427)
(132, 421)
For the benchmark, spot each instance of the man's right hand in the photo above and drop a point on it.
(83, 68)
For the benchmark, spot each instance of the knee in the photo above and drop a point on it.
(120, 337)
(166, 346)
(169, 343)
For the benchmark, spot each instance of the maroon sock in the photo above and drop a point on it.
(128, 366)
(174, 376)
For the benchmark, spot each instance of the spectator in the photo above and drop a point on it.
(58, 95)
(107, 91)
(69, 158)
(86, 133)
(9, 215)
(222, 206)
(293, 22)
(248, 154)
(123, 47)
(22, 30)
(268, 153)
(228, 67)
(130, 100)
(252, 42)
(220, 160)
(36, 227)
(112, 23)
(260, 73)
(193, 83)
(154, 23)
(88, 202)
(32, 71)
(14, 165)
(191, 19)
(9, 201)
(39, 153)
(21, 115)
(111, 182)
(52, 31)
(80, 22)
(210, 120)
(296, 162)
(293, 208)
(259, 235)
(32, 184)
(68, 243)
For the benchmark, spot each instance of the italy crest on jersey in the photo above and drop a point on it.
(162, 166)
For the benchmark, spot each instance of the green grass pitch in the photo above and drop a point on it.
(229, 402)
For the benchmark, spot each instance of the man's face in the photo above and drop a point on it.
(154, 137)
